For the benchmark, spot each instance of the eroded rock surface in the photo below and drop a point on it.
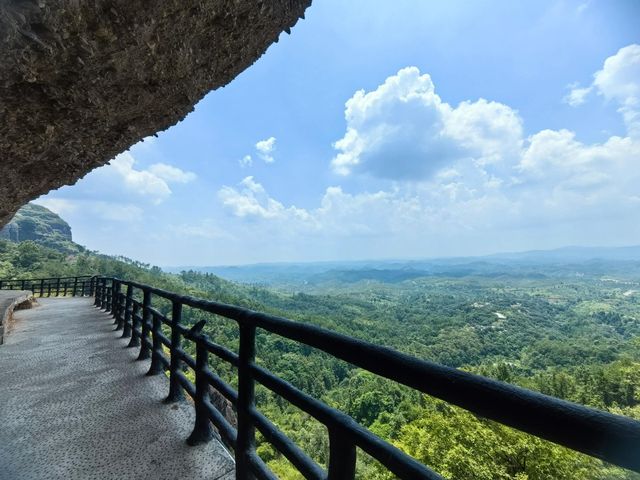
(82, 81)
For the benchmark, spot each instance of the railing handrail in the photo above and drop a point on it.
(609, 437)
(45, 278)
(53, 286)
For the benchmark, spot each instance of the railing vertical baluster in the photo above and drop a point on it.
(58, 287)
(342, 456)
(0, 284)
(245, 443)
(92, 286)
(135, 338)
(103, 293)
(49, 288)
(109, 299)
(113, 301)
(146, 317)
(96, 301)
(156, 365)
(64, 290)
(119, 309)
(175, 390)
(42, 287)
(75, 286)
(124, 319)
(202, 430)
(83, 288)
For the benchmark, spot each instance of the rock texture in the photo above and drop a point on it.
(81, 81)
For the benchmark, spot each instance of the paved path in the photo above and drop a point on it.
(74, 404)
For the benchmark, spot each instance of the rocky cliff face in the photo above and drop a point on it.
(40, 225)
(82, 81)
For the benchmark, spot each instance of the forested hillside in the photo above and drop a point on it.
(575, 337)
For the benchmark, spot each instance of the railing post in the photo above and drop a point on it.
(156, 365)
(75, 287)
(66, 286)
(110, 293)
(124, 314)
(49, 288)
(0, 284)
(83, 288)
(119, 309)
(135, 339)
(245, 443)
(58, 287)
(103, 293)
(175, 390)
(42, 287)
(342, 456)
(108, 308)
(144, 330)
(23, 285)
(202, 429)
(96, 292)
(92, 286)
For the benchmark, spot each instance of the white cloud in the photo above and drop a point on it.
(120, 178)
(171, 174)
(404, 131)
(618, 81)
(206, 229)
(265, 149)
(474, 179)
(61, 206)
(253, 201)
(246, 161)
(577, 95)
(141, 182)
(69, 208)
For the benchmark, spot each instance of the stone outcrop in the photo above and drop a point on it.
(81, 81)
(11, 300)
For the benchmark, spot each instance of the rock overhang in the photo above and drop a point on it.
(83, 81)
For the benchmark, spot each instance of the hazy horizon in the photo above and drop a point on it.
(500, 254)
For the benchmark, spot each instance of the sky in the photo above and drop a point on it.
(404, 129)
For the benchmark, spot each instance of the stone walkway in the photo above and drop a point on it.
(75, 404)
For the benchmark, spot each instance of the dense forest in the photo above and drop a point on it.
(573, 336)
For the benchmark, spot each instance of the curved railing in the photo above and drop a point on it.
(612, 438)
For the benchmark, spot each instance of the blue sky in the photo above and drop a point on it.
(392, 130)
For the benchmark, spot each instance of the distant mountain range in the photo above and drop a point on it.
(565, 261)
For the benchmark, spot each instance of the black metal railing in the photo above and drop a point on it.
(612, 438)
(79, 286)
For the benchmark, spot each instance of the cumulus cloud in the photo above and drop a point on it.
(105, 210)
(61, 206)
(252, 200)
(265, 149)
(122, 176)
(618, 81)
(577, 95)
(246, 161)
(460, 173)
(171, 174)
(404, 131)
